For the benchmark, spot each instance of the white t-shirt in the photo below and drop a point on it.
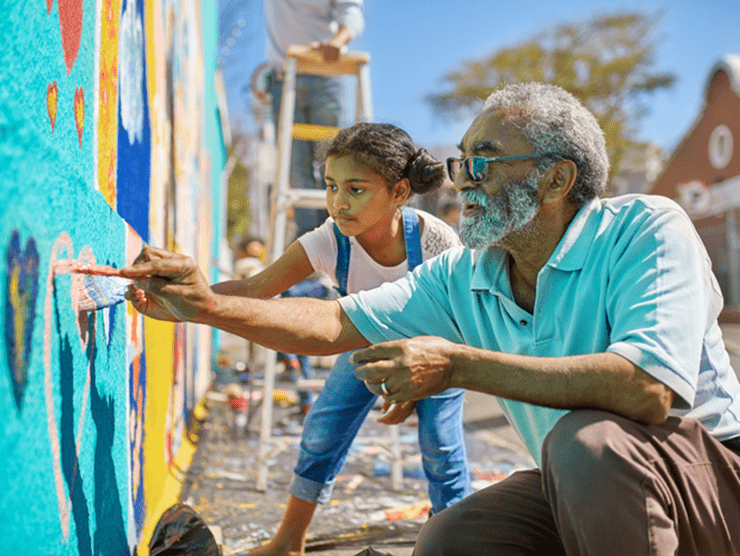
(364, 273)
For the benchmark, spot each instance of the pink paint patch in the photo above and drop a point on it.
(63, 242)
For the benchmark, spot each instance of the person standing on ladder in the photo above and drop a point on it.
(327, 26)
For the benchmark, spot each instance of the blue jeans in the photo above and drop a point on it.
(318, 101)
(335, 418)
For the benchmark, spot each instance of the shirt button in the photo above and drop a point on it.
(523, 322)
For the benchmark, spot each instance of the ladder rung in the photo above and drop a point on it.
(305, 198)
(314, 132)
(302, 384)
(310, 61)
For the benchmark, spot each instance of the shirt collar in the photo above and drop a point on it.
(570, 254)
(490, 272)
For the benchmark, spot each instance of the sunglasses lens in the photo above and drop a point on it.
(453, 167)
(476, 168)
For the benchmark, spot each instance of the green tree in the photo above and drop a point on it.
(238, 215)
(607, 62)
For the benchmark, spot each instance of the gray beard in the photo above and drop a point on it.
(509, 210)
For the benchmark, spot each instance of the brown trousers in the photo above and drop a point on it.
(608, 486)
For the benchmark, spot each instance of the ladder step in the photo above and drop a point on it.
(314, 132)
(310, 61)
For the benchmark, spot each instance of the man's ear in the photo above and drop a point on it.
(559, 181)
(401, 191)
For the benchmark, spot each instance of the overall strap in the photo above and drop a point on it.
(342, 272)
(412, 236)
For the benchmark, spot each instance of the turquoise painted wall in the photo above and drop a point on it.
(108, 139)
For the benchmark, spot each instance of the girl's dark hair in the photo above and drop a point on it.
(388, 151)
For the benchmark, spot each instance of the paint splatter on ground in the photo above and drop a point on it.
(365, 510)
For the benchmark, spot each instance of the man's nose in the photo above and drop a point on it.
(462, 183)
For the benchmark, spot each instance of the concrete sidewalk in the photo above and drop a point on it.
(365, 511)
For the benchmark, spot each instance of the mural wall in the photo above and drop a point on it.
(109, 138)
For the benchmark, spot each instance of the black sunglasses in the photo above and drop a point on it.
(476, 167)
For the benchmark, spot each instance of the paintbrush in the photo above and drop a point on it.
(71, 266)
(101, 286)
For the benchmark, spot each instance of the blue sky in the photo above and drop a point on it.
(413, 43)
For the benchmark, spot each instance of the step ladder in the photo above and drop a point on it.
(304, 60)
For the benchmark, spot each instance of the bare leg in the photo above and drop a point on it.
(290, 540)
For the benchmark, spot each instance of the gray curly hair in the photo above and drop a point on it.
(554, 121)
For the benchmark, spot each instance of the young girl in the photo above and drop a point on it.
(370, 171)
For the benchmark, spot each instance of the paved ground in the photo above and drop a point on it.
(365, 512)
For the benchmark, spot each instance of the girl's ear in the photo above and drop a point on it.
(401, 191)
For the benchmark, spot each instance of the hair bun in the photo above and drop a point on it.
(426, 173)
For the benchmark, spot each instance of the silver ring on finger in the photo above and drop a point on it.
(384, 389)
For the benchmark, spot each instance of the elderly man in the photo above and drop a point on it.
(594, 322)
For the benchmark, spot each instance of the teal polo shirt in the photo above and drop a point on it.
(629, 276)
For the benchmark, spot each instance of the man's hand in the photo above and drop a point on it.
(174, 288)
(331, 50)
(411, 369)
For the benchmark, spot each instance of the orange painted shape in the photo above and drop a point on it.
(79, 110)
(70, 24)
(52, 94)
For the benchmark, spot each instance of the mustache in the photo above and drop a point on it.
(473, 197)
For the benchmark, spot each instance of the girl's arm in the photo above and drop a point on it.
(292, 267)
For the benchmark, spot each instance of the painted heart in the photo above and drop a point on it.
(20, 309)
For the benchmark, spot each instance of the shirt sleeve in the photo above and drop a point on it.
(349, 14)
(320, 246)
(437, 236)
(416, 305)
(661, 299)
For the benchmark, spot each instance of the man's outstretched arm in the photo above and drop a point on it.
(175, 289)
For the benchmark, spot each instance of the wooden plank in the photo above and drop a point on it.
(309, 61)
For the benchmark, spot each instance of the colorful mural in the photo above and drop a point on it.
(108, 140)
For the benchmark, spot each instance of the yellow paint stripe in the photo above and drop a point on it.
(172, 485)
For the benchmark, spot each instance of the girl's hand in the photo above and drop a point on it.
(398, 412)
